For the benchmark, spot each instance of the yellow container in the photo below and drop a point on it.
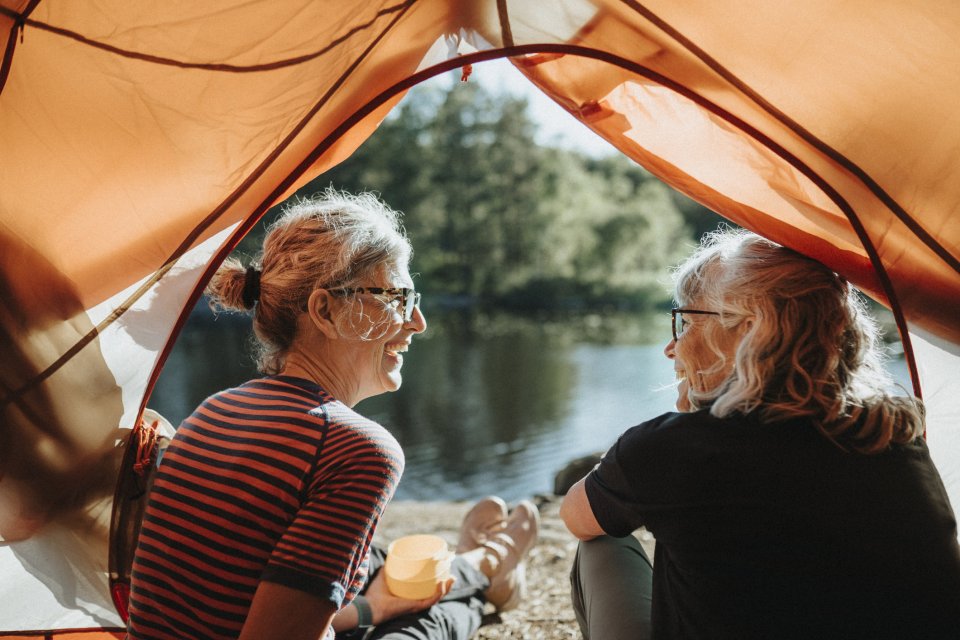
(416, 564)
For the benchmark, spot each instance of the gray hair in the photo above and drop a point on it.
(334, 239)
(809, 347)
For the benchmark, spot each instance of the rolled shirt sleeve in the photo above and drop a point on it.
(325, 548)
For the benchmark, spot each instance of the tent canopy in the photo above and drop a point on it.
(138, 143)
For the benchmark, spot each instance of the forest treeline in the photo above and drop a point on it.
(496, 218)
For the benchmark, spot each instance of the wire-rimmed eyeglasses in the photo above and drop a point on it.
(676, 317)
(402, 299)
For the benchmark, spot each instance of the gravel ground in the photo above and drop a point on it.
(546, 612)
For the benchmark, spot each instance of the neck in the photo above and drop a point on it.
(315, 367)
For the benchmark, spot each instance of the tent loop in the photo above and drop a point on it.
(20, 19)
(19, 22)
(147, 437)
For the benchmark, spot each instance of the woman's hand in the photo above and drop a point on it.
(386, 606)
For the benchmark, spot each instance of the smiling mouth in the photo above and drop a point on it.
(396, 349)
(681, 374)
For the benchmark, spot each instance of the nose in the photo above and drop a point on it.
(670, 349)
(418, 322)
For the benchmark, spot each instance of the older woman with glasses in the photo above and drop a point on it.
(791, 496)
(261, 516)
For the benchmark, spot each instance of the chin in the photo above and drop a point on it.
(390, 383)
(683, 402)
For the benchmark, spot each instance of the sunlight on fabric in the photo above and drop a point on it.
(716, 154)
(57, 580)
(939, 363)
(132, 344)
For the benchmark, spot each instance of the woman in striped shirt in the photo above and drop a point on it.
(261, 516)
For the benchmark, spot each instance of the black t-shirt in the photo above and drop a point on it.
(772, 531)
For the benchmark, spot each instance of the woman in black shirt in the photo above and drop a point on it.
(791, 496)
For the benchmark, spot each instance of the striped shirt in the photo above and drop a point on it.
(274, 480)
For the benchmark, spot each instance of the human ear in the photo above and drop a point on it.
(320, 308)
(744, 328)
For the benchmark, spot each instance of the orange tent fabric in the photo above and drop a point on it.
(139, 142)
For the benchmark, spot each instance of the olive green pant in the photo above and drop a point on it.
(612, 586)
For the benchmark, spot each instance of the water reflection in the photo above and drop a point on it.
(491, 403)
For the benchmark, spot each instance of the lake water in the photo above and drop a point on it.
(489, 403)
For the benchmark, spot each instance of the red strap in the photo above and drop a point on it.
(147, 436)
(120, 592)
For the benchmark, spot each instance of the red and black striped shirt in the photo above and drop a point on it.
(274, 480)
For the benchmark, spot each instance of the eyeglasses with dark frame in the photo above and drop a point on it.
(408, 299)
(675, 313)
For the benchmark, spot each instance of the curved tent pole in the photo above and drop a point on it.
(22, 18)
(506, 52)
(411, 81)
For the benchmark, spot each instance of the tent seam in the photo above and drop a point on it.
(209, 66)
(603, 56)
(480, 56)
(199, 229)
(899, 211)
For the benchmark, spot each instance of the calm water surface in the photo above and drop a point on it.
(489, 404)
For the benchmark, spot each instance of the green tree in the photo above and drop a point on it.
(493, 215)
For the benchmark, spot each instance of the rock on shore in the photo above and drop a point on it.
(546, 612)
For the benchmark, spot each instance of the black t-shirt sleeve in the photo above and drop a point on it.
(618, 486)
(655, 473)
(610, 497)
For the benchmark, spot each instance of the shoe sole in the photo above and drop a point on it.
(467, 542)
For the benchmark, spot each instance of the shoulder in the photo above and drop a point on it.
(345, 420)
(350, 432)
(259, 410)
(693, 436)
(673, 426)
(270, 395)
